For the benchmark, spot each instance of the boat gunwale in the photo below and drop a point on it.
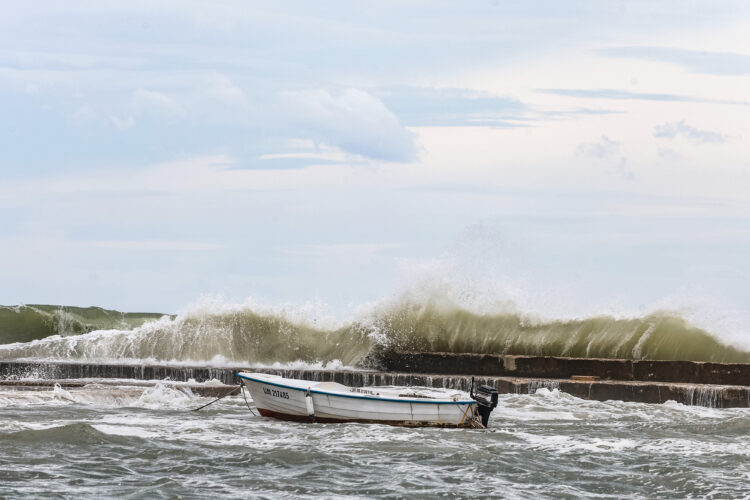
(357, 396)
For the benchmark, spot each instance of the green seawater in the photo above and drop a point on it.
(246, 335)
(24, 323)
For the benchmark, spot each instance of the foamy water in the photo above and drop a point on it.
(129, 441)
(216, 333)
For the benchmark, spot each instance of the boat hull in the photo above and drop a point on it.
(285, 399)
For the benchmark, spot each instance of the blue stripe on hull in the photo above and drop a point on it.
(357, 396)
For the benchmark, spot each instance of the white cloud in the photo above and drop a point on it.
(221, 88)
(214, 79)
(674, 130)
(353, 120)
(311, 150)
(669, 154)
(156, 104)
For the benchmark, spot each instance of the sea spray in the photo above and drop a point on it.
(659, 335)
(238, 336)
(252, 334)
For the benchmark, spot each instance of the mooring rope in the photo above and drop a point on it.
(220, 398)
(242, 385)
(465, 413)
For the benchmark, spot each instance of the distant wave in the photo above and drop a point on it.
(73, 434)
(245, 334)
(25, 323)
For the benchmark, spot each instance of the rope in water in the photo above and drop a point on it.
(242, 385)
(220, 398)
(465, 413)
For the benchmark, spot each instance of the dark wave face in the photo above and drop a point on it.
(244, 335)
(659, 335)
(71, 434)
(239, 335)
(32, 322)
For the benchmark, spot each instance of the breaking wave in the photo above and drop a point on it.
(250, 334)
(25, 323)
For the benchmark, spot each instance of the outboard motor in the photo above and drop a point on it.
(486, 398)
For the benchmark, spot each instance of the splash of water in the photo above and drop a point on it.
(250, 334)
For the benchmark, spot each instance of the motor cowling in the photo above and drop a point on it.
(486, 398)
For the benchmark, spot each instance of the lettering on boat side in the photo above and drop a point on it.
(276, 393)
(364, 391)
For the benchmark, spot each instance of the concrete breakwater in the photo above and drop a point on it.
(584, 385)
(630, 370)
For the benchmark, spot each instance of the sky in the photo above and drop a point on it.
(566, 157)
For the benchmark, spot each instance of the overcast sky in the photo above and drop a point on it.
(568, 157)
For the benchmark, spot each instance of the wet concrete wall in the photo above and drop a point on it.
(713, 395)
(20, 370)
(691, 372)
(30, 370)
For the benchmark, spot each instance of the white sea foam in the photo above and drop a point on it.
(125, 430)
(435, 313)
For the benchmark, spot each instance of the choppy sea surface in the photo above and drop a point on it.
(135, 442)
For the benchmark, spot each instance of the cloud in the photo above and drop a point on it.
(298, 154)
(640, 96)
(424, 106)
(669, 154)
(351, 119)
(462, 107)
(222, 88)
(606, 153)
(156, 104)
(674, 130)
(602, 149)
(713, 63)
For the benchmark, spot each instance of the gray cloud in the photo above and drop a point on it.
(606, 153)
(673, 130)
(351, 119)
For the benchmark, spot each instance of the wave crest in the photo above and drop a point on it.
(247, 335)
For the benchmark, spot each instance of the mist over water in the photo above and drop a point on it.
(212, 331)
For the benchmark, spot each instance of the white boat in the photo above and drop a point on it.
(328, 402)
